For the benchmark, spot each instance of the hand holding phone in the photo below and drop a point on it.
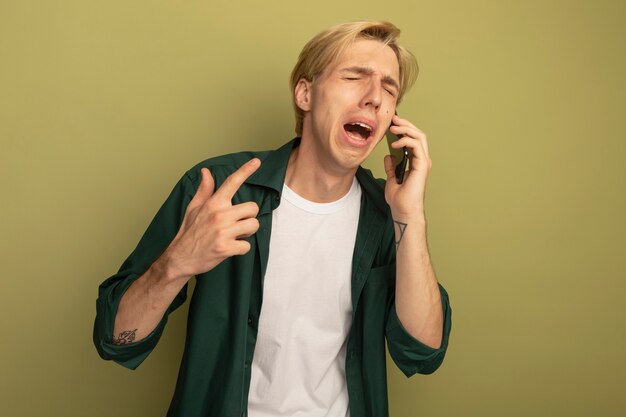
(401, 155)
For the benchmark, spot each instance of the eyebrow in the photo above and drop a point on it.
(387, 79)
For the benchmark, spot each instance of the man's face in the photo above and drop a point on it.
(349, 107)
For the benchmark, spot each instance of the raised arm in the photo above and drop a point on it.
(418, 298)
(209, 233)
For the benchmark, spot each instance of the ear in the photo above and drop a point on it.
(302, 94)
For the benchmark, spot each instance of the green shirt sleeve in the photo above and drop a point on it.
(159, 234)
(408, 353)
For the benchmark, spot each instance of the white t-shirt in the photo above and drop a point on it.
(298, 367)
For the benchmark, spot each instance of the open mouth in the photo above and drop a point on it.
(358, 130)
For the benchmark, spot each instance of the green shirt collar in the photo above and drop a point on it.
(273, 168)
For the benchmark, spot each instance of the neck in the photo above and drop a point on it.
(309, 179)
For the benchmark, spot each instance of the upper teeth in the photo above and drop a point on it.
(364, 125)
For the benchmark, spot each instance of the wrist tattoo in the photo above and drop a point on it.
(126, 337)
(400, 227)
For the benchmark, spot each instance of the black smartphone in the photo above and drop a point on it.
(401, 156)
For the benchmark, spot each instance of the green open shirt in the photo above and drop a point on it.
(214, 376)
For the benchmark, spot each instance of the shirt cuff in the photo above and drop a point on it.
(411, 355)
(129, 355)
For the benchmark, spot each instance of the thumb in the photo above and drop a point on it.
(390, 168)
(205, 189)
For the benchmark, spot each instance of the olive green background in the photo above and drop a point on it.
(103, 105)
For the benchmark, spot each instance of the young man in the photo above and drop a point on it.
(305, 264)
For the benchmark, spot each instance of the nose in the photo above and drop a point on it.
(373, 94)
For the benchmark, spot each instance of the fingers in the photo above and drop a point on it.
(244, 228)
(232, 214)
(232, 222)
(229, 241)
(213, 228)
(414, 139)
(403, 127)
(205, 190)
(241, 247)
(245, 210)
(237, 178)
(412, 136)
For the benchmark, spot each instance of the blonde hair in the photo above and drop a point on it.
(321, 51)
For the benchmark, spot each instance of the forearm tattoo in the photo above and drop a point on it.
(400, 227)
(126, 337)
